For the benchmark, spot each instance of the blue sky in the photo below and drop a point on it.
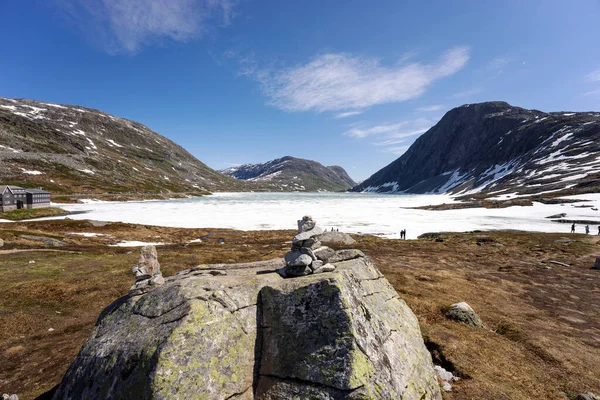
(351, 83)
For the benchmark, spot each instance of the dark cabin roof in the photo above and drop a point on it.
(36, 191)
(13, 189)
(20, 190)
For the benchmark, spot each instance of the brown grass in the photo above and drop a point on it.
(542, 338)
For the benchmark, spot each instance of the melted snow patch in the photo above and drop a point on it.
(112, 143)
(87, 171)
(9, 148)
(267, 177)
(31, 172)
(135, 243)
(86, 234)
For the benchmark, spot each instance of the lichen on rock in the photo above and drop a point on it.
(249, 334)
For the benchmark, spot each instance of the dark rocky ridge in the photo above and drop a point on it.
(494, 148)
(72, 149)
(297, 174)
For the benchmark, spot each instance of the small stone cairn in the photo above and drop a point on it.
(307, 256)
(147, 271)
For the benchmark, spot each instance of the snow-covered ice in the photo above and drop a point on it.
(349, 212)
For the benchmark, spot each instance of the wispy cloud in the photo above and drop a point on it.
(397, 150)
(436, 107)
(497, 64)
(125, 26)
(374, 130)
(400, 137)
(348, 114)
(392, 137)
(465, 93)
(594, 76)
(592, 93)
(344, 82)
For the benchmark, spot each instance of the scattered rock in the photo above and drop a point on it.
(345, 334)
(597, 264)
(564, 240)
(324, 268)
(497, 245)
(1, 243)
(297, 259)
(217, 273)
(463, 312)
(6, 396)
(587, 396)
(446, 377)
(479, 243)
(558, 263)
(324, 253)
(46, 240)
(98, 224)
(561, 215)
(316, 264)
(147, 271)
(31, 261)
(329, 237)
(429, 235)
(505, 268)
(439, 240)
(221, 241)
(484, 239)
(344, 255)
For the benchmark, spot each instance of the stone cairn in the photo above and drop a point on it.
(147, 271)
(307, 256)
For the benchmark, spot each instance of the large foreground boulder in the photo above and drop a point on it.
(240, 331)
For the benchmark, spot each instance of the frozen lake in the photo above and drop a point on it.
(348, 212)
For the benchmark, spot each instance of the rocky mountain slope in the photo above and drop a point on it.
(71, 149)
(294, 174)
(497, 150)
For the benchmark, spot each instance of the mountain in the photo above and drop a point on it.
(495, 149)
(294, 174)
(72, 149)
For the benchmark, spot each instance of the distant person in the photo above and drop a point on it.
(573, 228)
(587, 229)
(404, 234)
(598, 230)
(332, 229)
(337, 229)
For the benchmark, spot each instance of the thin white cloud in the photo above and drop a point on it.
(125, 26)
(465, 93)
(389, 130)
(400, 137)
(348, 114)
(436, 107)
(592, 93)
(497, 64)
(362, 132)
(344, 82)
(397, 150)
(393, 138)
(594, 76)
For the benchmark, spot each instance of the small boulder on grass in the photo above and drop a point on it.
(462, 312)
(587, 396)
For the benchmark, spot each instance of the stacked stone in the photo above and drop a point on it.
(147, 271)
(307, 256)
